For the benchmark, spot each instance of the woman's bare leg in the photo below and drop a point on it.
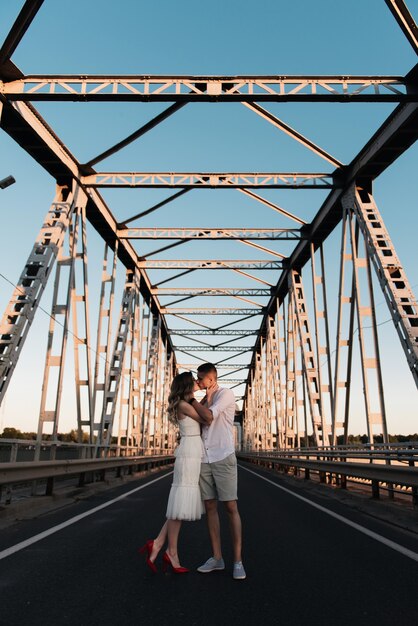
(159, 542)
(173, 528)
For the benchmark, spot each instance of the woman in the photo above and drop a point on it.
(184, 502)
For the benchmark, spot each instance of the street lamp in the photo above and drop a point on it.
(6, 182)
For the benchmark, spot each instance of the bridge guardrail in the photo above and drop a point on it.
(24, 450)
(26, 472)
(379, 472)
(397, 452)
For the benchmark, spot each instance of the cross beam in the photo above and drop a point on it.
(405, 21)
(209, 291)
(214, 348)
(208, 88)
(234, 381)
(219, 311)
(198, 332)
(210, 233)
(207, 264)
(19, 28)
(221, 366)
(194, 180)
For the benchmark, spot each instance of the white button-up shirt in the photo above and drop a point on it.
(218, 438)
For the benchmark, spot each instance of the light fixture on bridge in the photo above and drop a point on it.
(6, 182)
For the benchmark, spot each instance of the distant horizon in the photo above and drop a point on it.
(273, 39)
(414, 436)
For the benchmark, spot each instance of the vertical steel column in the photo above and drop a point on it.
(291, 406)
(124, 395)
(309, 363)
(343, 384)
(274, 380)
(27, 295)
(251, 415)
(128, 375)
(58, 332)
(158, 393)
(264, 409)
(254, 406)
(167, 433)
(104, 435)
(150, 372)
(321, 313)
(370, 360)
(134, 415)
(104, 332)
(246, 422)
(259, 387)
(142, 347)
(268, 394)
(390, 273)
(280, 355)
(85, 416)
(299, 383)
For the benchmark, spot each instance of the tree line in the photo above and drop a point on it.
(15, 433)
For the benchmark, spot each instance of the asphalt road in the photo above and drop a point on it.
(303, 565)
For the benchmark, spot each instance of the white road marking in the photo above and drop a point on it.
(73, 520)
(387, 542)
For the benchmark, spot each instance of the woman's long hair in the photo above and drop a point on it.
(182, 385)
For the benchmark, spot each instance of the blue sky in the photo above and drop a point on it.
(229, 37)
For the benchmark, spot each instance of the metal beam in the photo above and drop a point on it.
(214, 348)
(211, 233)
(154, 208)
(214, 331)
(292, 133)
(405, 21)
(234, 381)
(366, 88)
(207, 264)
(230, 366)
(191, 297)
(195, 180)
(219, 311)
(138, 133)
(209, 291)
(19, 28)
(273, 206)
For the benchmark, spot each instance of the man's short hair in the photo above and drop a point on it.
(207, 368)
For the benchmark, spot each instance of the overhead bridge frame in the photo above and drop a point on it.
(208, 88)
(291, 397)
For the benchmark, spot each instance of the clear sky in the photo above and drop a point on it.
(228, 37)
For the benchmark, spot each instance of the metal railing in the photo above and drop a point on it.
(25, 450)
(63, 460)
(400, 452)
(389, 467)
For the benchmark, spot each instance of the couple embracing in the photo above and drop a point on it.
(205, 469)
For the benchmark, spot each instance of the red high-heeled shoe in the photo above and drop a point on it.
(167, 563)
(148, 549)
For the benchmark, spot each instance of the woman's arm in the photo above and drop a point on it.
(205, 414)
(187, 409)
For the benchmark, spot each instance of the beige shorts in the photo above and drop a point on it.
(218, 481)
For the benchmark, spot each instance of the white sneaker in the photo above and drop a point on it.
(211, 565)
(239, 571)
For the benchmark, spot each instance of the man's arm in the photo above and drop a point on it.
(203, 412)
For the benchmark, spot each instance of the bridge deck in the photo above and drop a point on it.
(304, 565)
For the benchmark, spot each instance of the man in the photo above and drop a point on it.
(218, 475)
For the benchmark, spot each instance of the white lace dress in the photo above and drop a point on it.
(185, 502)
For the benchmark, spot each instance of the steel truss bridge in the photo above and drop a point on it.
(295, 379)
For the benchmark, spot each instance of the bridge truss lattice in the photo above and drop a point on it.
(296, 378)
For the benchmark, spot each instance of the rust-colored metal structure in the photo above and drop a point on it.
(297, 376)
